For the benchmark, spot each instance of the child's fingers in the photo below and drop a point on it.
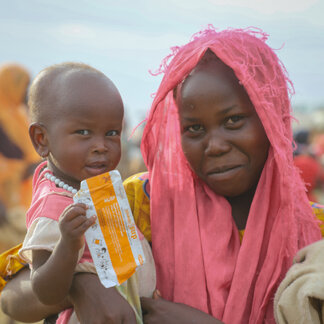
(82, 219)
(73, 221)
(73, 211)
(81, 224)
(89, 222)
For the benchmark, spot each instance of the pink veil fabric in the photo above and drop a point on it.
(195, 242)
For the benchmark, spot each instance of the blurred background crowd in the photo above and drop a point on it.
(309, 151)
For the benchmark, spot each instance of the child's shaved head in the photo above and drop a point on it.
(77, 119)
(45, 90)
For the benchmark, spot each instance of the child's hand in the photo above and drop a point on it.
(73, 223)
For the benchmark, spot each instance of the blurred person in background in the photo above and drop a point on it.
(318, 144)
(131, 161)
(309, 165)
(18, 158)
(319, 147)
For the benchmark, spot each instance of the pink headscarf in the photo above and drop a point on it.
(196, 247)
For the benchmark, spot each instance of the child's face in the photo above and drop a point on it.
(84, 135)
(222, 136)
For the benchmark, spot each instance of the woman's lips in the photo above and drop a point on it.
(224, 172)
(222, 169)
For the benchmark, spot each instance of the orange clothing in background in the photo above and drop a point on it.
(17, 154)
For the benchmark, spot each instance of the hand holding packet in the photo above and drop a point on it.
(113, 240)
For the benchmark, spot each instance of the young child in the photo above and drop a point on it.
(77, 117)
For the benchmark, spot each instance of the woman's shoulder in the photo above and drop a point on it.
(10, 264)
(137, 179)
(138, 185)
(138, 194)
(318, 210)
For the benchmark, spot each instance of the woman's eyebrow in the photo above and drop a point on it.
(227, 110)
(190, 119)
(221, 112)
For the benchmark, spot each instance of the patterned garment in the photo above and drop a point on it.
(10, 264)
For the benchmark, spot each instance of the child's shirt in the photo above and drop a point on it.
(43, 233)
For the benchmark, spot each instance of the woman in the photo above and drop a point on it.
(17, 155)
(217, 144)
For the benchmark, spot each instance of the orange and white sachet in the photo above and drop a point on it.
(113, 240)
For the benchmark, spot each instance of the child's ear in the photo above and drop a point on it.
(38, 136)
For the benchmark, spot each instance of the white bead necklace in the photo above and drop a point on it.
(59, 182)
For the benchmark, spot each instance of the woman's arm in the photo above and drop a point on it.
(19, 302)
(162, 311)
(93, 303)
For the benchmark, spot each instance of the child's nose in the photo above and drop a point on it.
(99, 145)
(216, 144)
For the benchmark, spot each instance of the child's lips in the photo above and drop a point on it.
(96, 168)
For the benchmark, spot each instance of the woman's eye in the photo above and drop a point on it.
(83, 132)
(195, 128)
(112, 133)
(234, 120)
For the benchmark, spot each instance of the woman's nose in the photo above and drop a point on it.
(217, 145)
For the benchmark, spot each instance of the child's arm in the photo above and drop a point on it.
(52, 273)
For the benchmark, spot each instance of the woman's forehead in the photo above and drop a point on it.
(209, 74)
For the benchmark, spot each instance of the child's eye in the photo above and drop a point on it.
(195, 128)
(83, 132)
(112, 133)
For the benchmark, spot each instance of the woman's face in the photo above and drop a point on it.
(221, 134)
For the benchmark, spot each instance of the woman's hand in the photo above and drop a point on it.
(95, 304)
(161, 311)
(310, 255)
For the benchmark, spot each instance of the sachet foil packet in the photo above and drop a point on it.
(113, 240)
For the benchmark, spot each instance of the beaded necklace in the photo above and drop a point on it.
(59, 182)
